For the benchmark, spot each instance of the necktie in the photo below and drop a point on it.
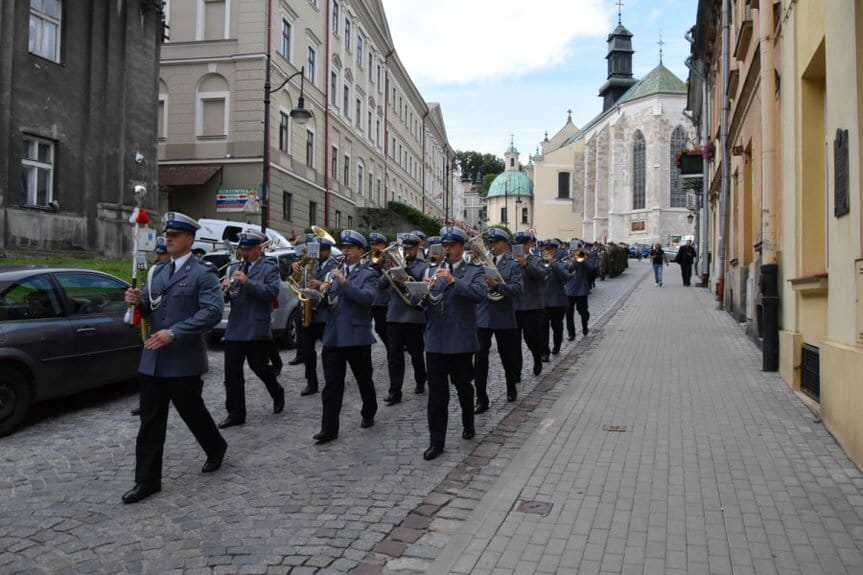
(246, 266)
(496, 259)
(173, 268)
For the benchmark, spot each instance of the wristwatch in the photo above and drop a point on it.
(172, 334)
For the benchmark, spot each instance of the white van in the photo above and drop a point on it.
(213, 234)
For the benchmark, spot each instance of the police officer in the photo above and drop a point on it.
(555, 296)
(405, 326)
(183, 302)
(382, 299)
(421, 254)
(497, 318)
(251, 286)
(348, 336)
(581, 275)
(530, 305)
(451, 339)
(311, 334)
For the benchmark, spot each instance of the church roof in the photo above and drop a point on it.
(511, 183)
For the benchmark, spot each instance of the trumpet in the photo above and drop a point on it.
(580, 256)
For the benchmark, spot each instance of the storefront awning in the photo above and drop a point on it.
(173, 176)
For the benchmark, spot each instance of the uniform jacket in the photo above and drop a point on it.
(192, 304)
(349, 321)
(558, 275)
(382, 297)
(533, 295)
(451, 325)
(321, 271)
(252, 307)
(579, 280)
(501, 315)
(398, 311)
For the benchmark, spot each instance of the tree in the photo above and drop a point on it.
(475, 165)
(486, 184)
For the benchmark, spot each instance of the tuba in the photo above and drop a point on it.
(480, 256)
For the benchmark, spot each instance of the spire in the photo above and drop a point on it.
(569, 116)
(660, 44)
(511, 155)
(619, 12)
(619, 59)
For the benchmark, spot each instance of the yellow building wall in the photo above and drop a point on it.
(554, 218)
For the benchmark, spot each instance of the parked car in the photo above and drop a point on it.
(282, 320)
(61, 332)
(214, 233)
(635, 249)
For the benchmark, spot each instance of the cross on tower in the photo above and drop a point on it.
(660, 44)
(619, 11)
(512, 139)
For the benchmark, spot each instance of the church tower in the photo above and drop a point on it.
(511, 157)
(619, 66)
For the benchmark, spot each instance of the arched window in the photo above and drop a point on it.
(638, 171)
(678, 145)
(213, 107)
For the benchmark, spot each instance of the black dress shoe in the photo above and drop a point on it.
(231, 422)
(367, 422)
(321, 438)
(295, 361)
(214, 462)
(420, 389)
(537, 368)
(277, 370)
(136, 411)
(510, 397)
(481, 408)
(546, 358)
(279, 405)
(141, 491)
(585, 331)
(393, 399)
(570, 337)
(555, 351)
(432, 452)
(468, 434)
(309, 390)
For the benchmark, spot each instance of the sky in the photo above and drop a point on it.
(501, 67)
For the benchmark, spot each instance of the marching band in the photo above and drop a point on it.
(441, 299)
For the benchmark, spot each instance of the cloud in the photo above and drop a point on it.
(654, 15)
(445, 42)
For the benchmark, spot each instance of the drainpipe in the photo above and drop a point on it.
(426, 115)
(705, 191)
(387, 123)
(769, 264)
(726, 159)
(327, 25)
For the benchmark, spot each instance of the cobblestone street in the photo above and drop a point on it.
(280, 504)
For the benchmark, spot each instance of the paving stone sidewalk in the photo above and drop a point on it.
(669, 451)
(279, 505)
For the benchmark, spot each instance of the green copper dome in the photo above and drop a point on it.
(511, 183)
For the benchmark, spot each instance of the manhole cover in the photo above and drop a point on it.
(618, 428)
(534, 507)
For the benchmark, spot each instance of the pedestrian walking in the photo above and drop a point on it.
(555, 296)
(251, 285)
(686, 256)
(183, 301)
(657, 258)
(530, 305)
(378, 243)
(577, 289)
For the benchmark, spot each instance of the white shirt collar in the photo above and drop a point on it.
(457, 265)
(181, 261)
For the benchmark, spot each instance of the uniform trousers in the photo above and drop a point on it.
(310, 337)
(530, 324)
(509, 349)
(553, 323)
(405, 336)
(579, 303)
(443, 369)
(379, 314)
(236, 354)
(273, 355)
(157, 393)
(336, 361)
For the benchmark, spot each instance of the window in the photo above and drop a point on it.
(524, 215)
(360, 178)
(31, 298)
(346, 101)
(359, 116)
(350, 222)
(283, 131)
(213, 110)
(347, 34)
(370, 133)
(361, 41)
(638, 174)
(287, 206)
(379, 77)
(371, 58)
(310, 148)
(336, 17)
(379, 190)
(371, 183)
(310, 66)
(92, 294)
(347, 169)
(334, 163)
(378, 132)
(285, 48)
(313, 213)
(338, 219)
(37, 172)
(45, 28)
(678, 145)
(563, 185)
(503, 216)
(215, 20)
(334, 89)
(212, 107)
(162, 119)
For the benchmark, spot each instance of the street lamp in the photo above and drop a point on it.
(299, 114)
(690, 217)
(518, 203)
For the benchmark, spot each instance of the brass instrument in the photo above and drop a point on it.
(231, 289)
(580, 256)
(299, 280)
(480, 255)
(431, 278)
(393, 258)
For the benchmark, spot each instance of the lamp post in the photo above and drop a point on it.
(518, 203)
(299, 114)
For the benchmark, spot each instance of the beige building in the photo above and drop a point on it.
(371, 139)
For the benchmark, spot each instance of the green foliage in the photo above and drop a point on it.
(487, 181)
(429, 226)
(119, 268)
(476, 166)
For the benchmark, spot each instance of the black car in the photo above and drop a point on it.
(61, 332)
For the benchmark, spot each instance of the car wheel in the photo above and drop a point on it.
(288, 336)
(15, 399)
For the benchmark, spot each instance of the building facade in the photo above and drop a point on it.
(371, 138)
(509, 201)
(617, 179)
(78, 100)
